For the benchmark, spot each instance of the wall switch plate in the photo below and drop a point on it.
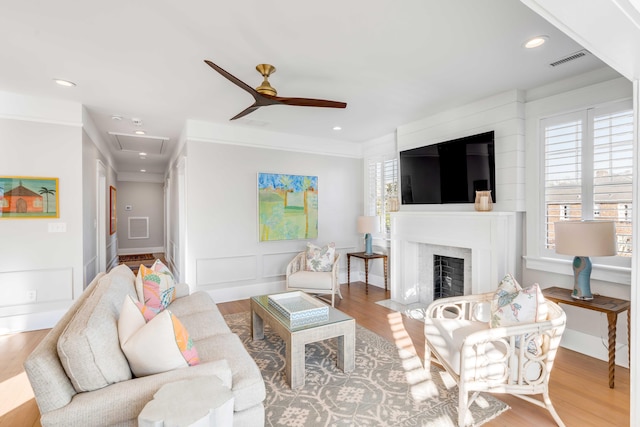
(57, 227)
(32, 295)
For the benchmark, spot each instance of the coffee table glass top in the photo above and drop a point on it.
(335, 316)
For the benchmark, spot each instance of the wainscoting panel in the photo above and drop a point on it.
(211, 271)
(90, 271)
(35, 286)
(275, 265)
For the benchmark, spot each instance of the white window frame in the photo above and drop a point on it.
(378, 196)
(586, 115)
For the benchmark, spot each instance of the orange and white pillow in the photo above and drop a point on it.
(159, 345)
(155, 286)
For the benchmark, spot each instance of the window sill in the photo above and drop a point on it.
(607, 273)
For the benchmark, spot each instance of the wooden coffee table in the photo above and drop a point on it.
(338, 325)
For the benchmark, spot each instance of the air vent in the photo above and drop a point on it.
(139, 143)
(569, 58)
(138, 227)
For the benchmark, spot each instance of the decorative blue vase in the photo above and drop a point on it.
(582, 278)
(367, 244)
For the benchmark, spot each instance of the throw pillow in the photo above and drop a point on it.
(161, 345)
(320, 258)
(155, 286)
(513, 305)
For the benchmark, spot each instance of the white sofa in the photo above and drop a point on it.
(92, 360)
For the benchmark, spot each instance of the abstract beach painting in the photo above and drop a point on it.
(287, 206)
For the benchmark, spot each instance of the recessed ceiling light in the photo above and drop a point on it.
(140, 132)
(536, 41)
(65, 83)
(337, 128)
(143, 154)
(143, 170)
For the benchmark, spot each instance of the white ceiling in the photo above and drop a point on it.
(391, 62)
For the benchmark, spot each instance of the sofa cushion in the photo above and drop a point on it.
(247, 383)
(161, 345)
(448, 336)
(200, 315)
(88, 348)
(311, 280)
(119, 404)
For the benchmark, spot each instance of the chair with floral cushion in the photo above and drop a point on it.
(497, 342)
(315, 271)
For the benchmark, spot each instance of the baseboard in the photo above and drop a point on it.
(594, 346)
(374, 279)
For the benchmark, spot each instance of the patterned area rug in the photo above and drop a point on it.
(388, 387)
(135, 258)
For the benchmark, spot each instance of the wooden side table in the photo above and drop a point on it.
(366, 259)
(611, 306)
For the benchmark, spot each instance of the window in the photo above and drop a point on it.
(383, 190)
(588, 162)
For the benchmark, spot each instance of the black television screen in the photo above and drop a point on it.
(448, 172)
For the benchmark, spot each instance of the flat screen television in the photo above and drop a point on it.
(448, 172)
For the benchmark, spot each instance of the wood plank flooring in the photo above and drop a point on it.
(579, 384)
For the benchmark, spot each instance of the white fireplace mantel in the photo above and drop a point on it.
(492, 238)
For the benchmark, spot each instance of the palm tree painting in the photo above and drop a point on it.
(28, 197)
(287, 206)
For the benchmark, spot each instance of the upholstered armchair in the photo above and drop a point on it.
(511, 359)
(314, 282)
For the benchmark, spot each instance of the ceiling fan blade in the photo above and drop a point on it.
(246, 111)
(236, 81)
(308, 102)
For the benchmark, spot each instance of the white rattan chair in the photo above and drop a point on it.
(319, 283)
(494, 360)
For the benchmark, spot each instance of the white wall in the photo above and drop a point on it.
(224, 255)
(41, 138)
(147, 201)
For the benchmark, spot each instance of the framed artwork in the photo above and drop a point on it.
(287, 207)
(112, 210)
(29, 197)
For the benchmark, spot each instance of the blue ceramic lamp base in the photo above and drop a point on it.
(582, 278)
(367, 244)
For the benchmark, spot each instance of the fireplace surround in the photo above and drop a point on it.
(490, 240)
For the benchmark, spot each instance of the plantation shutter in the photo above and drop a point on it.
(588, 170)
(613, 173)
(390, 192)
(562, 172)
(383, 190)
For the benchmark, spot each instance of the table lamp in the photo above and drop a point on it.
(368, 225)
(583, 239)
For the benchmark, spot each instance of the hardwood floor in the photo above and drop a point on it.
(579, 385)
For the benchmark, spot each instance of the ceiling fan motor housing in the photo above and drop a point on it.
(265, 88)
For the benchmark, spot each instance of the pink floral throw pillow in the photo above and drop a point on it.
(158, 286)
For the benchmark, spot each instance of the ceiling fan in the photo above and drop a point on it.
(265, 94)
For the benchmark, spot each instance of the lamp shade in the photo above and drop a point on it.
(586, 238)
(368, 224)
